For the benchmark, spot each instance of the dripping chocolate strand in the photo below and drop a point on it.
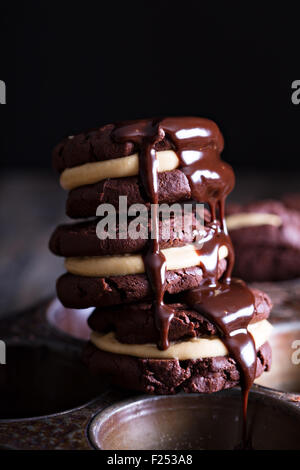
(198, 143)
(231, 308)
(211, 180)
(146, 134)
(229, 304)
(154, 260)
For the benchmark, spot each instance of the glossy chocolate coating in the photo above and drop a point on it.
(229, 304)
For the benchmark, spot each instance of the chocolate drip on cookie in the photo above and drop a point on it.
(146, 134)
(196, 317)
(197, 143)
(228, 304)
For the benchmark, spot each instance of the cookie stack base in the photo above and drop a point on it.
(169, 376)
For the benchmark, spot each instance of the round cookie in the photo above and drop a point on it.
(266, 240)
(101, 144)
(82, 291)
(173, 186)
(98, 166)
(168, 376)
(134, 323)
(93, 146)
(81, 239)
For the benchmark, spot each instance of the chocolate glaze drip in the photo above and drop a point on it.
(198, 144)
(228, 303)
(146, 134)
(231, 306)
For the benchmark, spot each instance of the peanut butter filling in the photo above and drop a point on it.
(253, 219)
(90, 173)
(120, 265)
(195, 348)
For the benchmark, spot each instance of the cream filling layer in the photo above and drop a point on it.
(195, 348)
(121, 265)
(246, 219)
(90, 173)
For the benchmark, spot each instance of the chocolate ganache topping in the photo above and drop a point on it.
(228, 303)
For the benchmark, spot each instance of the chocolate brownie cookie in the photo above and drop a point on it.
(81, 239)
(173, 186)
(82, 292)
(168, 376)
(98, 166)
(100, 145)
(134, 323)
(266, 240)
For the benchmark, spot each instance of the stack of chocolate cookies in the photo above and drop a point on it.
(167, 316)
(268, 231)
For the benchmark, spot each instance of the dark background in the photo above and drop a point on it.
(69, 66)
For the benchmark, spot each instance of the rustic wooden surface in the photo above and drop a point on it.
(32, 204)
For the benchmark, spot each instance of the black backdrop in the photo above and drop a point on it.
(69, 66)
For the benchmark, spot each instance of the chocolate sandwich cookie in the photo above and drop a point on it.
(101, 165)
(95, 145)
(134, 323)
(124, 342)
(168, 376)
(89, 291)
(266, 239)
(112, 271)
